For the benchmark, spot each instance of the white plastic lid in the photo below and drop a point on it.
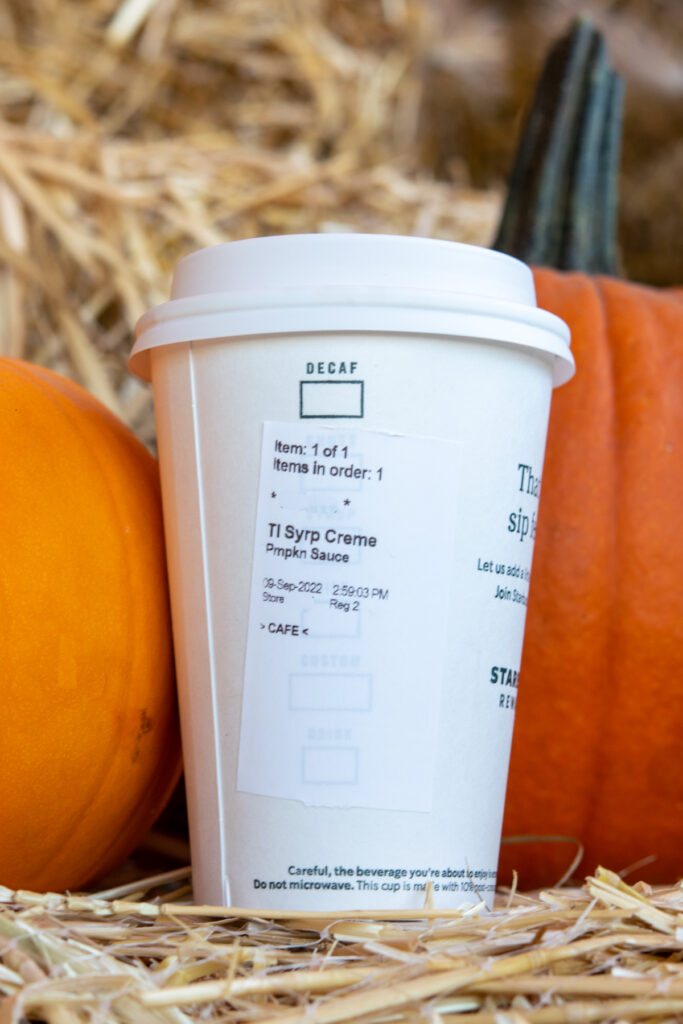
(288, 284)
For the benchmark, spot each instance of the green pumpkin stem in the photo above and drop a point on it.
(561, 207)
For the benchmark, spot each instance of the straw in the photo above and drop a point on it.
(606, 951)
(195, 125)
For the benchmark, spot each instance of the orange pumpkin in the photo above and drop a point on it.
(89, 736)
(598, 741)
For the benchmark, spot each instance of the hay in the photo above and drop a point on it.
(133, 131)
(143, 954)
(193, 125)
(142, 205)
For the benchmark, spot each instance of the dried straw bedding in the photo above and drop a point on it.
(143, 954)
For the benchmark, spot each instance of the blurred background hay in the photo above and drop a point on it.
(134, 131)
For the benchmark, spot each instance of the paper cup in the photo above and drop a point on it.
(351, 436)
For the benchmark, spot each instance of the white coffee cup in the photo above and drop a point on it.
(351, 435)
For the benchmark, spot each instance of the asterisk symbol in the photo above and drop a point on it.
(273, 494)
(347, 501)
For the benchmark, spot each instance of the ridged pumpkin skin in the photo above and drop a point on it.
(598, 742)
(89, 738)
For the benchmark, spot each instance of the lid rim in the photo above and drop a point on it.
(369, 297)
(242, 323)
